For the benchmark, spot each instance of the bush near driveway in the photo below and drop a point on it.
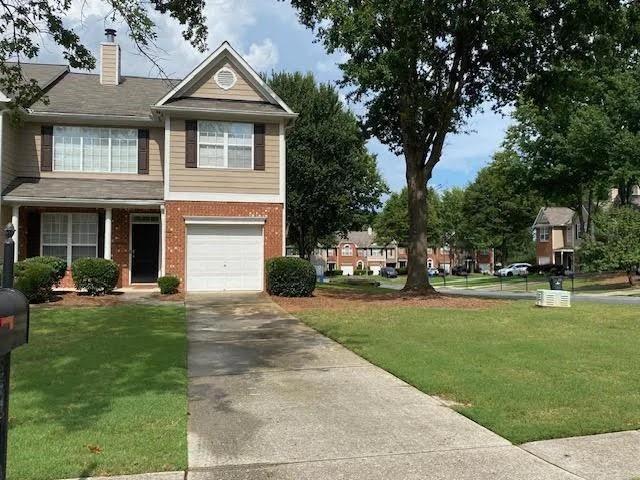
(95, 275)
(168, 284)
(290, 277)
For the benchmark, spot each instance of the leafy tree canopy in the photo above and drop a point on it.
(392, 222)
(422, 67)
(333, 184)
(616, 245)
(24, 24)
(500, 207)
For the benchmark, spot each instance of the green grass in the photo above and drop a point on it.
(524, 372)
(99, 391)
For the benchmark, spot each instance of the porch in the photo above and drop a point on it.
(564, 257)
(127, 226)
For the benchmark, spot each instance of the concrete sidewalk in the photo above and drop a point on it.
(506, 295)
(271, 398)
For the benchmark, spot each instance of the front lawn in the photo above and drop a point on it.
(99, 391)
(524, 372)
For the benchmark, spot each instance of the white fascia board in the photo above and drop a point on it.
(224, 111)
(225, 220)
(84, 117)
(228, 49)
(224, 197)
(94, 202)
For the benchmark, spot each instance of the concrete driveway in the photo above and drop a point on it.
(270, 398)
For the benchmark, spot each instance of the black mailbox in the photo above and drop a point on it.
(14, 319)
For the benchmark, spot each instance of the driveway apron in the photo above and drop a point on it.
(271, 398)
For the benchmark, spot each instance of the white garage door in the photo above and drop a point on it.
(224, 257)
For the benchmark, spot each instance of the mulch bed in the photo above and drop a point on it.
(79, 299)
(343, 299)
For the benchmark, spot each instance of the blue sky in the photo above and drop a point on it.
(269, 35)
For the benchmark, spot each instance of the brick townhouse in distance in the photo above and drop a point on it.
(359, 250)
(182, 177)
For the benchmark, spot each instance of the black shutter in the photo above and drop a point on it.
(191, 143)
(33, 234)
(101, 234)
(258, 146)
(46, 148)
(143, 152)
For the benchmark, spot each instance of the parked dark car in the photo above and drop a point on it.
(388, 272)
(459, 271)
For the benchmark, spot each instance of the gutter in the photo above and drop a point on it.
(41, 201)
(226, 111)
(93, 117)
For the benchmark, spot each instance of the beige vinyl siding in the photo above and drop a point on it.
(109, 67)
(10, 144)
(208, 88)
(28, 162)
(558, 238)
(219, 180)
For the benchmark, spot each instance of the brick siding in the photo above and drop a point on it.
(176, 211)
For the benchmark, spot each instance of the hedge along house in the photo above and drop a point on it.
(182, 177)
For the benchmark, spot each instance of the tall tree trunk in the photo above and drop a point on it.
(417, 280)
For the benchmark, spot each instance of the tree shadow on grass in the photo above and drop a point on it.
(113, 376)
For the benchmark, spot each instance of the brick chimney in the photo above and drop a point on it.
(110, 59)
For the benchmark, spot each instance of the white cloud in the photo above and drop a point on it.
(262, 56)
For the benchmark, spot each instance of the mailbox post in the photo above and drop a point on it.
(14, 331)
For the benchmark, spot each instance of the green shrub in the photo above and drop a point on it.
(359, 272)
(168, 284)
(290, 277)
(58, 265)
(95, 275)
(35, 280)
(333, 273)
(401, 270)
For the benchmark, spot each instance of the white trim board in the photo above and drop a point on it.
(224, 197)
(83, 202)
(225, 220)
(227, 49)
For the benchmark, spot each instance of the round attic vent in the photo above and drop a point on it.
(225, 78)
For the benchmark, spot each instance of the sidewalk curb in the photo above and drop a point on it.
(180, 475)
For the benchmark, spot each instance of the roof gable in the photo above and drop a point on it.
(247, 86)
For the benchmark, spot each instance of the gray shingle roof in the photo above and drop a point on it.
(235, 105)
(42, 73)
(557, 216)
(83, 189)
(83, 93)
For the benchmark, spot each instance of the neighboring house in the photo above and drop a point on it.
(182, 177)
(557, 234)
(359, 250)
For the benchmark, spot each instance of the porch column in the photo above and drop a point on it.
(107, 233)
(15, 220)
(163, 239)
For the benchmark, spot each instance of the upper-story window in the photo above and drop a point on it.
(225, 145)
(543, 234)
(88, 149)
(347, 251)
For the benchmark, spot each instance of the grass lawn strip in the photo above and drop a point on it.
(524, 372)
(99, 391)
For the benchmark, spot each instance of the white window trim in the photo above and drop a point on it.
(69, 243)
(350, 254)
(226, 147)
(547, 232)
(110, 171)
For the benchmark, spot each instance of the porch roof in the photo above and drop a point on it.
(33, 191)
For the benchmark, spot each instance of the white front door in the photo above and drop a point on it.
(224, 258)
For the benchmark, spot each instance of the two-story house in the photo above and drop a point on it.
(182, 177)
(557, 234)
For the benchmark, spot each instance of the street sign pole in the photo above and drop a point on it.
(5, 360)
